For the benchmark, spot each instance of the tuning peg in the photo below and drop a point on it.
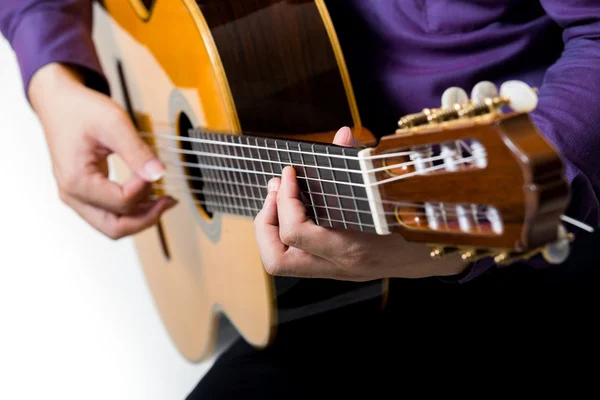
(472, 255)
(522, 97)
(440, 252)
(558, 252)
(484, 90)
(454, 95)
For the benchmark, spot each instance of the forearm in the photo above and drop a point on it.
(568, 114)
(42, 32)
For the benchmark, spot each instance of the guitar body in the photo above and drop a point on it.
(268, 66)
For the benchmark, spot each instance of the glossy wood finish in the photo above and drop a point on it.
(523, 179)
(265, 66)
(280, 64)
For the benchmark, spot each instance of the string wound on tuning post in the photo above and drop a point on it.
(486, 99)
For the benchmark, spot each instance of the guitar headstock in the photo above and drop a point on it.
(473, 176)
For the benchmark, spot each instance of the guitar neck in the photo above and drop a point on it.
(230, 173)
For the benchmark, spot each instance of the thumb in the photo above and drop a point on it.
(121, 136)
(345, 138)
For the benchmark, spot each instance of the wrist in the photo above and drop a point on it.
(50, 80)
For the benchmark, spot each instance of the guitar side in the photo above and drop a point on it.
(173, 66)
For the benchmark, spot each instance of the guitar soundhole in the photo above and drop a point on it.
(195, 180)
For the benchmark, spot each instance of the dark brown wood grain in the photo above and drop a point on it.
(524, 180)
(280, 65)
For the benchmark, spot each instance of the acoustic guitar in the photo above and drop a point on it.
(229, 92)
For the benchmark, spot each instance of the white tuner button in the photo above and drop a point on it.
(454, 95)
(484, 90)
(522, 97)
(559, 251)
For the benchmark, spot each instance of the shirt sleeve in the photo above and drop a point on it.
(568, 114)
(47, 31)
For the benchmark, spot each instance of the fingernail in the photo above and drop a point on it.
(273, 185)
(154, 170)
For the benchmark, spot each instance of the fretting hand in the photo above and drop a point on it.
(291, 244)
(83, 127)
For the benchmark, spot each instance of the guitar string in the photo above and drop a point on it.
(244, 145)
(227, 208)
(442, 206)
(316, 167)
(254, 209)
(195, 178)
(565, 218)
(174, 189)
(178, 138)
(377, 183)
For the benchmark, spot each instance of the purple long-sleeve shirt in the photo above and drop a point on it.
(416, 49)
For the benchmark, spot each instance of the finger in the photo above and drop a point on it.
(345, 138)
(117, 227)
(120, 135)
(98, 191)
(296, 229)
(266, 228)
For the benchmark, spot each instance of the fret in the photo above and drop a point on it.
(359, 217)
(309, 190)
(229, 187)
(321, 186)
(337, 194)
(269, 158)
(238, 178)
(254, 187)
(262, 168)
(219, 173)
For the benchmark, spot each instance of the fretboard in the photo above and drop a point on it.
(230, 173)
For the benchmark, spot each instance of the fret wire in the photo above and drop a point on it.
(353, 193)
(229, 187)
(229, 202)
(312, 200)
(214, 173)
(262, 169)
(271, 165)
(238, 175)
(337, 192)
(250, 176)
(321, 184)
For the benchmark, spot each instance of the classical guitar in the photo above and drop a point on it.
(229, 92)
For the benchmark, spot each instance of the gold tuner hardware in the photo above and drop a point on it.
(412, 120)
(441, 252)
(472, 255)
(508, 258)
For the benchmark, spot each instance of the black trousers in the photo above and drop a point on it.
(512, 330)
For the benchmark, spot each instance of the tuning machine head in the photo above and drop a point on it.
(486, 99)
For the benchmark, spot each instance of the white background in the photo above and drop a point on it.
(76, 318)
